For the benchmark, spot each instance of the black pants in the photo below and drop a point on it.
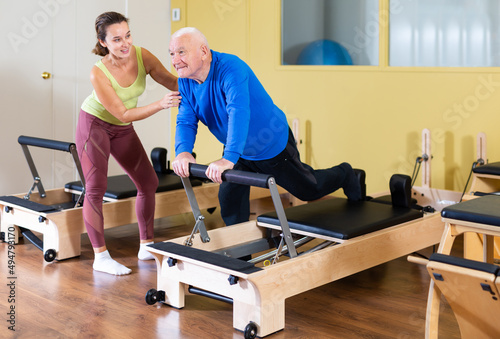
(299, 179)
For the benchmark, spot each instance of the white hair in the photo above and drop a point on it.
(192, 31)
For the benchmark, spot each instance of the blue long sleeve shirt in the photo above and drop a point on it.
(235, 107)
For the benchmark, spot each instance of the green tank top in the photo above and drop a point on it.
(128, 95)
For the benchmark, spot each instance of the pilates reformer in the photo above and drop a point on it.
(56, 213)
(470, 287)
(294, 250)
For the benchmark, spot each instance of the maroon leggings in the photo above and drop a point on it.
(95, 141)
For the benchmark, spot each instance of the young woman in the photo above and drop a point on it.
(105, 128)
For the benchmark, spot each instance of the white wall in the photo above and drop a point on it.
(151, 29)
(57, 36)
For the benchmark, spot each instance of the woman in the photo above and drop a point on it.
(105, 127)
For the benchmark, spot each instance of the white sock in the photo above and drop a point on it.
(104, 263)
(143, 253)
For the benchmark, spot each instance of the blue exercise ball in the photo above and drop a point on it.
(324, 52)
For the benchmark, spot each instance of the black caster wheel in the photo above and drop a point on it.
(153, 296)
(50, 255)
(250, 330)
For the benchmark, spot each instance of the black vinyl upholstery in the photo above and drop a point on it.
(492, 168)
(466, 263)
(342, 219)
(31, 205)
(207, 257)
(122, 187)
(482, 210)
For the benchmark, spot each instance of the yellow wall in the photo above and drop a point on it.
(370, 116)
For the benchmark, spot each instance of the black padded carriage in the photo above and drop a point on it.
(341, 218)
(122, 187)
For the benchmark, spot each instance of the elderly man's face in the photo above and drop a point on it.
(187, 57)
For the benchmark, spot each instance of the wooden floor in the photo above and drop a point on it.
(67, 299)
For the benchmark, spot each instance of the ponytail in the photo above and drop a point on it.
(100, 49)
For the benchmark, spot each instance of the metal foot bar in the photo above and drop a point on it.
(198, 217)
(251, 179)
(26, 141)
(285, 228)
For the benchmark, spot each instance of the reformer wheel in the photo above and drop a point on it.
(50, 255)
(151, 296)
(250, 330)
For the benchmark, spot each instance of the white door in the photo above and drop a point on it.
(26, 97)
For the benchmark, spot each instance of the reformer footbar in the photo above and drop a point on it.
(26, 141)
(199, 225)
(353, 237)
(242, 178)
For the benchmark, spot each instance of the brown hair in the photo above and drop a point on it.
(102, 23)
